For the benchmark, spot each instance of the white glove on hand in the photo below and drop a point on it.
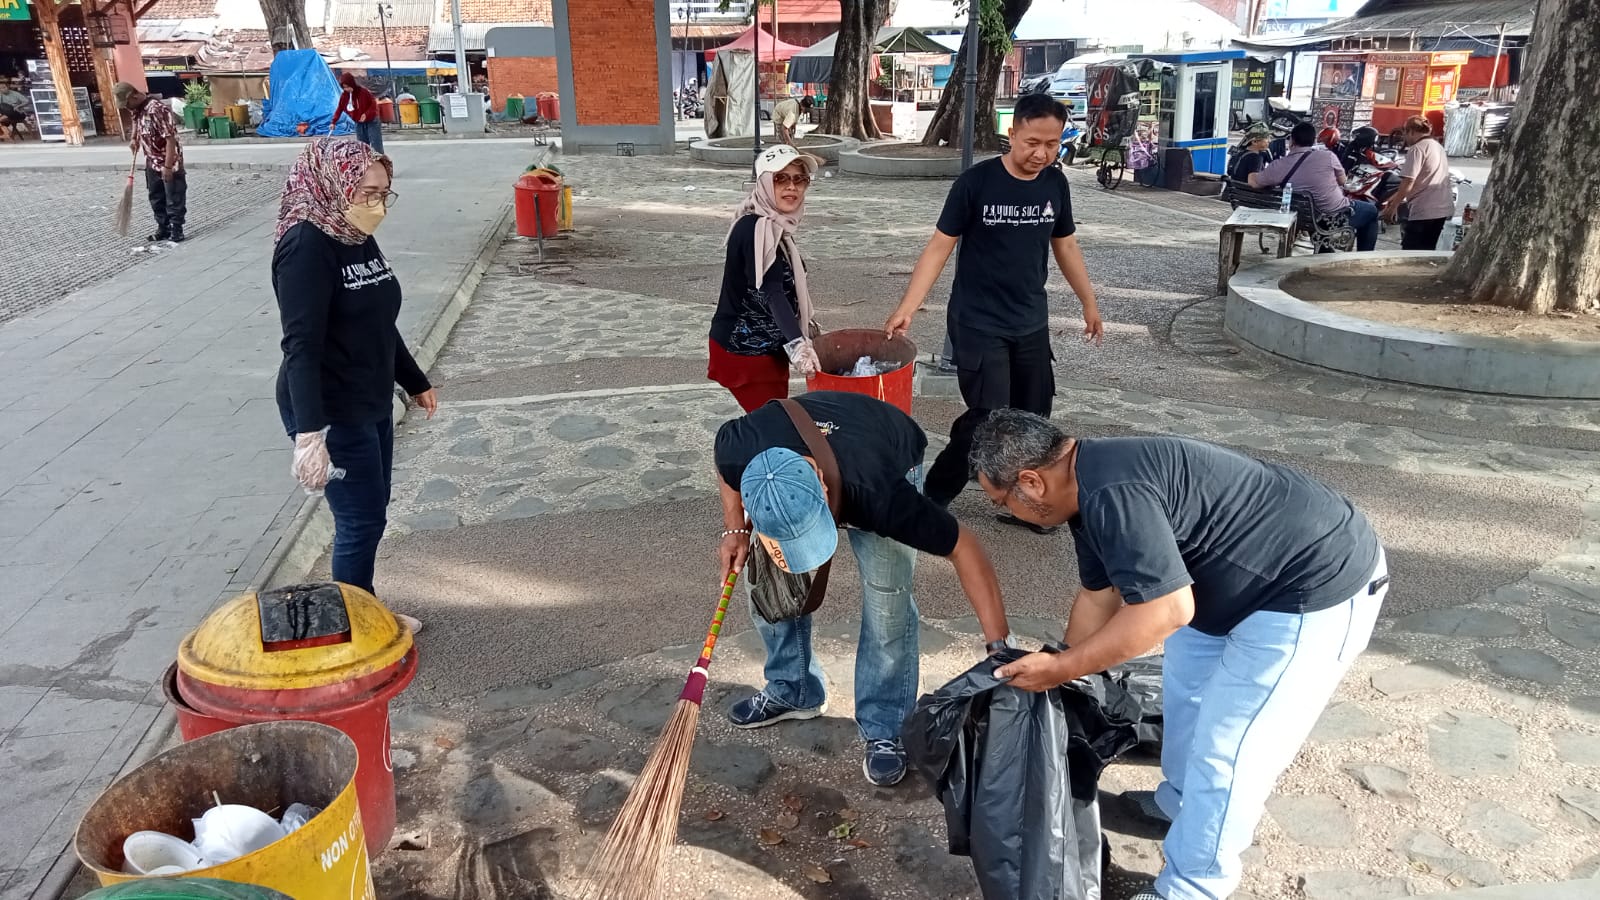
(803, 357)
(312, 465)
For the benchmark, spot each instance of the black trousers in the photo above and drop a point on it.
(1421, 234)
(169, 201)
(994, 372)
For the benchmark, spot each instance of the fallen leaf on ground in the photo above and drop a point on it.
(794, 803)
(713, 815)
(818, 874)
(849, 815)
(444, 743)
(769, 838)
(788, 820)
(860, 844)
(841, 831)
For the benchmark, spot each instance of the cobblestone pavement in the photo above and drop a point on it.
(59, 236)
(550, 525)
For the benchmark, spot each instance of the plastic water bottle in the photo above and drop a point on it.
(1288, 198)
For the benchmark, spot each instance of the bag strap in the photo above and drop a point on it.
(829, 465)
(820, 451)
(1289, 178)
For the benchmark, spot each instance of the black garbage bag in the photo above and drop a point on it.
(1017, 772)
(1130, 692)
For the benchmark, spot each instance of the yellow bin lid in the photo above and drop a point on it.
(295, 637)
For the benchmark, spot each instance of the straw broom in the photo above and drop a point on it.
(124, 211)
(628, 864)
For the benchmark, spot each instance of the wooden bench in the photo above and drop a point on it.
(1259, 221)
(1321, 232)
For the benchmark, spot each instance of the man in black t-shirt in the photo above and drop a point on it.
(1263, 583)
(1010, 214)
(765, 471)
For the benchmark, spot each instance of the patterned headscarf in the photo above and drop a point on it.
(775, 231)
(322, 184)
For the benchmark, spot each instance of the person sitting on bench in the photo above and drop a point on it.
(1316, 170)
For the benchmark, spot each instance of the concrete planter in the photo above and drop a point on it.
(863, 161)
(1262, 314)
(737, 151)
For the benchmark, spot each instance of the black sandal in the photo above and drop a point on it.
(1008, 519)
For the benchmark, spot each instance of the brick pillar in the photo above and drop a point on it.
(614, 61)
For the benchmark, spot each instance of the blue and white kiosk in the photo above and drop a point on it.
(1196, 116)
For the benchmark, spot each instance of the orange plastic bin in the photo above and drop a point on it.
(838, 351)
(386, 111)
(538, 219)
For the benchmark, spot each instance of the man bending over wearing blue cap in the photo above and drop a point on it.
(767, 471)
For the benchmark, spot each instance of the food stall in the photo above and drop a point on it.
(1413, 84)
(1342, 94)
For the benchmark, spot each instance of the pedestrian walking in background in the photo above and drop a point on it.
(1424, 188)
(1010, 214)
(155, 132)
(338, 300)
(362, 107)
(763, 320)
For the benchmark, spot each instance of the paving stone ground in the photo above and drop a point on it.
(551, 525)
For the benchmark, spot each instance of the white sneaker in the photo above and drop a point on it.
(411, 622)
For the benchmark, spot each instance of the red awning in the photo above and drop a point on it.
(770, 49)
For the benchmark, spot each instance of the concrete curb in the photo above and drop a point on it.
(1265, 316)
(102, 167)
(706, 150)
(860, 161)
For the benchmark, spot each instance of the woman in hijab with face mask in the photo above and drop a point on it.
(762, 325)
(342, 352)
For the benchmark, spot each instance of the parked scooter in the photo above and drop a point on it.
(1283, 116)
(1071, 143)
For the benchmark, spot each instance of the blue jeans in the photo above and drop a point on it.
(360, 500)
(1236, 710)
(371, 134)
(886, 655)
(1364, 219)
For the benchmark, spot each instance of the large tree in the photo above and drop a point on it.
(998, 19)
(848, 112)
(1536, 242)
(286, 18)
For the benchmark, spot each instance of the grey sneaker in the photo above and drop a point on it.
(1145, 803)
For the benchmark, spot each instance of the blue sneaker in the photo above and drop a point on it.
(885, 763)
(761, 709)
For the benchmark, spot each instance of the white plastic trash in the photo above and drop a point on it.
(158, 853)
(232, 830)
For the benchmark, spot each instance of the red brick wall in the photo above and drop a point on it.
(528, 76)
(615, 72)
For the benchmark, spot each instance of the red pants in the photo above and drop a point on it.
(753, 380)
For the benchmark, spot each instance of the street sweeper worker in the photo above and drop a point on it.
(1263, 583)
(768, 472)
(155, 133)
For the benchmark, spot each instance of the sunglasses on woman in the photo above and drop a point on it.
(784, 179)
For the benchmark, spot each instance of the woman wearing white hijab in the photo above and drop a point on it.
(763, 318)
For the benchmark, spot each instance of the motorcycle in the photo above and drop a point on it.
(1283, 117)
(1071, 143)
(1374, 181)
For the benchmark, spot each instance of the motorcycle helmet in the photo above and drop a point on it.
(1364, 138)
(1329, 137)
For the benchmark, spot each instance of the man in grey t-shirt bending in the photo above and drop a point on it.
(1264, 584)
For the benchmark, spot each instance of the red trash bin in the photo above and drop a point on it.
(540, 222)
(327, 653)
(550, 106)
(838, 351)
(386, 111)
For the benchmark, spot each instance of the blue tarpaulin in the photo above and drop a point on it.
(303, 90)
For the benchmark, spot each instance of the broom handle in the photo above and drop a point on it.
(694, 690)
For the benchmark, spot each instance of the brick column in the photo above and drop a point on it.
(614, 58)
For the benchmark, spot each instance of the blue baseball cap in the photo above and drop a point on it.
(783, 497)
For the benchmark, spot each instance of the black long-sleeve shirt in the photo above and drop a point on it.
(342, 352)
(751, 322)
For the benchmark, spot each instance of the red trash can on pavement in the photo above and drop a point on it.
(386, 111)
(838, 351)
(327, 653)
(540, 222)
(550, 106)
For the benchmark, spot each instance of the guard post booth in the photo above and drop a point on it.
(1341, 96)
(1195, 114)
(1414, 84)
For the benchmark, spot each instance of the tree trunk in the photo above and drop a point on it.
(60, 72)
(1535, 244)
(947, 118)
(848, 113)
(290, 14)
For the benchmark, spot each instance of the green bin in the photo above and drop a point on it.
(194, 118)
(220, 127)
(514, 109)
(429, 110)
